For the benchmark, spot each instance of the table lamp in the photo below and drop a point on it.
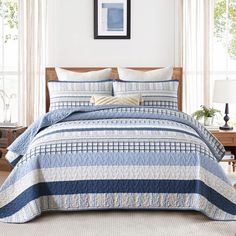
(225, 92)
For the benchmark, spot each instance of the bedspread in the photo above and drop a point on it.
(116, 157)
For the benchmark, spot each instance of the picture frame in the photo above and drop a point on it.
(112, 19)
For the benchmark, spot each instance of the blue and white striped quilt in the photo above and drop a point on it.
(116, 158)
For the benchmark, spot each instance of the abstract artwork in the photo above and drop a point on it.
(112, 19)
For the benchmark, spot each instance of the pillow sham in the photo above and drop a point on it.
(152, 75)
(116, 100)
(69, 94)
(163, 94)
(66, 75)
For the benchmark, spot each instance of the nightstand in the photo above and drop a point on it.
(228, 139)
(7, 136)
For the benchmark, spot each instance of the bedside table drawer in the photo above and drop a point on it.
(3, 138)
(8, 135)
(227, 139)
(3, 152)
(4, 165)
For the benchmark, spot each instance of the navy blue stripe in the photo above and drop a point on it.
(117, 186)
(142, 82)
(15, 161)
(80, 82)
(104, 128)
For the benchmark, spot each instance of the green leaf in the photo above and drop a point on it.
(9, 13)
(205, 112)
(220, 23)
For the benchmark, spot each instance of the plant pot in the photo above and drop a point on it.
(208, 121)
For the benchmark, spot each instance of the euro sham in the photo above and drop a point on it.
(67, 75)
(151, 75)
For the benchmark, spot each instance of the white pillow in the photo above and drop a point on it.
(67, 75)
(152, 75)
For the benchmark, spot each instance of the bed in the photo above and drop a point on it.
(116, 157)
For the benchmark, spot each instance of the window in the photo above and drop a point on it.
(224, 46)
(9, 49)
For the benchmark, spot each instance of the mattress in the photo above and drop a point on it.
(116, 157)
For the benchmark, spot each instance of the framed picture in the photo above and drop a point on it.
(112, 19)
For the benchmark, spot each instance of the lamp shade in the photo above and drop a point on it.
(225, 91)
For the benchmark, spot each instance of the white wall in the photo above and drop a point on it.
(71, 43)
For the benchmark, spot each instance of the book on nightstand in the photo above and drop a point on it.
(228, 155)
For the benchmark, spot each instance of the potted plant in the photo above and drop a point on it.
(207, 113)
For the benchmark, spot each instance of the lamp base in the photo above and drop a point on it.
(226, 119)
(226, 127)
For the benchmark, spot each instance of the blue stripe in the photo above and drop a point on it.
(118, 129)
(117, 186)
(116, 159)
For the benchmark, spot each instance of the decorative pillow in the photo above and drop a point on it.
(163, 94)
(152, 75)
(116, 100)
(66, 94)
(99, 75)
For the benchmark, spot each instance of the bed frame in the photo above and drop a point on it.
(51, 75)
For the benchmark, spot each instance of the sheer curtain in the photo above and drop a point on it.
(198, 23)
(32, 27)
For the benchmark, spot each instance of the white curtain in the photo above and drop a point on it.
(32, 35)
(198, 21)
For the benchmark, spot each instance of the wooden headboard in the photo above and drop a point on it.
(51, 75)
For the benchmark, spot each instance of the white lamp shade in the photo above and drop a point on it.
(225, 91)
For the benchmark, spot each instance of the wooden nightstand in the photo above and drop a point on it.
(228, 139)
(7, 136)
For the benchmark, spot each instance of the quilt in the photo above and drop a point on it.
(116, 157)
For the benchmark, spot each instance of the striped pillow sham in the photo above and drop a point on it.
(69, 94)
(163, 94)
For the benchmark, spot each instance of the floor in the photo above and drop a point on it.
(122, 223)
(228, 170)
